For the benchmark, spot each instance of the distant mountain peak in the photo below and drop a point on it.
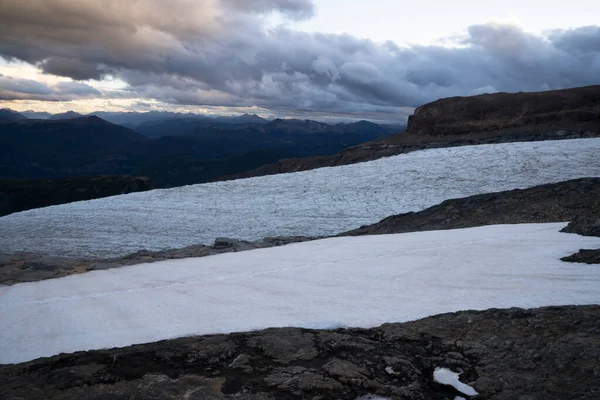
(6, 114)
(66, 115)
(30, 114)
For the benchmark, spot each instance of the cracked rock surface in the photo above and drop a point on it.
(546, 353)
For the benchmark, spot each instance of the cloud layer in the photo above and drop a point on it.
(27, 89)
(218, 53)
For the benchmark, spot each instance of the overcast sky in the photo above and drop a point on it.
(374, 59)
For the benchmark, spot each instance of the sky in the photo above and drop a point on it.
(321, 59)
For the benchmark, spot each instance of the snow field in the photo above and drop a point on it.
(350, 281)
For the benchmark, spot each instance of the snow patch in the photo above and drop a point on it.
(447, 377)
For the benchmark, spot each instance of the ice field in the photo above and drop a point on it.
(319, 202)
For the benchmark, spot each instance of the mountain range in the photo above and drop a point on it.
(170, 150)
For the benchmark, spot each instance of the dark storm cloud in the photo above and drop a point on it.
(585, 39)
(217, 52)
(27, 89)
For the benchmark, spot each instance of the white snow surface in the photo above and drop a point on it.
(350, 281)
(320, 202)
(448, 377)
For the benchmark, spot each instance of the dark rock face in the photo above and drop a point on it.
(556, 202)
(21, 195)
(28, 267)
(548, 353)
(489, 112)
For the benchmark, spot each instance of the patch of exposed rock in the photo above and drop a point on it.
(548, 353)
(584, 257)
(557, 202)
(586, 226)
(28, 267)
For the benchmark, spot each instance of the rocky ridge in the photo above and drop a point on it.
(492, 112)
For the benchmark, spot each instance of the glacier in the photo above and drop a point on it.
(347, 281)
(319, 202)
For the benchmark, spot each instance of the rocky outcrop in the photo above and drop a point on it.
(584, 257)
(21, 195)
(491, 112)
(557, 202)
(29, 267)
(586, 226)
(548, 353)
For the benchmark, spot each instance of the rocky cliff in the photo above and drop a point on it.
(492, 112)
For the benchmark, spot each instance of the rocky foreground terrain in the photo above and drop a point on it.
(460, 121)
(577, 199)
(547, 353)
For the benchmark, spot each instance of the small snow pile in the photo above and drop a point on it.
(371, 397)
(447, 377)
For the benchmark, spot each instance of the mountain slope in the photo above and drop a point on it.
(20, 195)
(49, 148)
(320, 202)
